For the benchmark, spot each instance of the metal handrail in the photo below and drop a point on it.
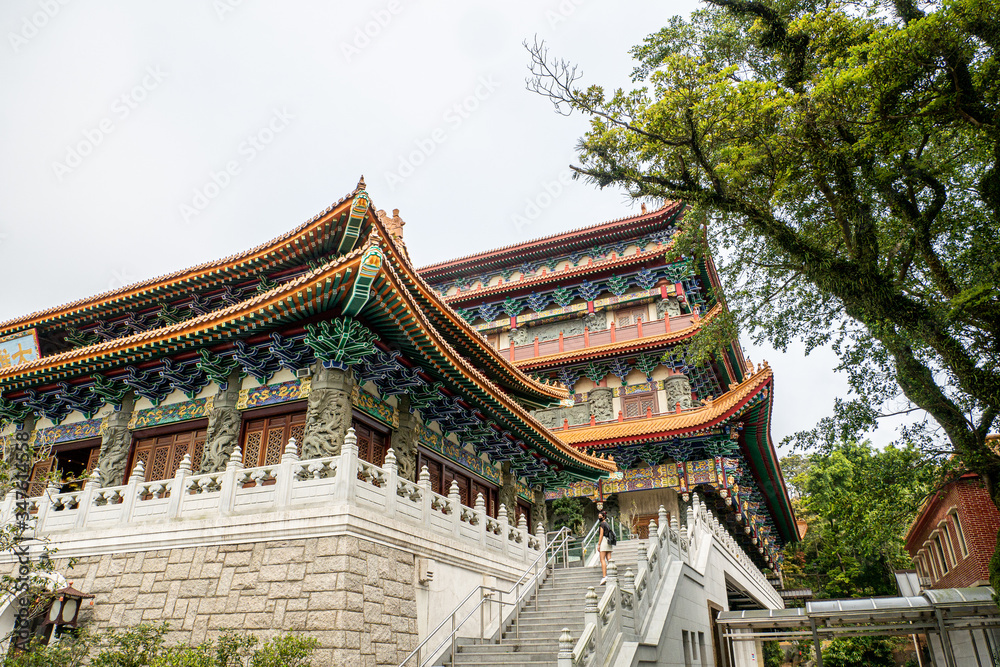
(589, 538)
(558, 543)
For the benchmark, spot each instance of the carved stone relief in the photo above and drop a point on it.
(328, 412)
(404, 441)
(678, 390)
(574, 327)
(223, 427)
(670, 306)
(113, 458)
(602, 404)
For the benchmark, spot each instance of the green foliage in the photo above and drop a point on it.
(772, 654)
(844, 160)
(860, 652)
(144, 646)
(568, 512)
(858, 502)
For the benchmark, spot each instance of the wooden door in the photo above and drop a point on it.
(372, 444)
(36, 481)
(264, 439)
(162, 455)
(637, 405)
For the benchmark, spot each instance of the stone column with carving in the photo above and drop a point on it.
(678, 390)
(507, 495)
(113, 458)
(404, 440)
(328, 412)
(223, 428)
(539, 515)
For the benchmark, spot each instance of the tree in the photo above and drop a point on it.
(844, 159)
(858, 502)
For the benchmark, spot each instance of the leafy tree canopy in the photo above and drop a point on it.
(858, 503)
(843, 159)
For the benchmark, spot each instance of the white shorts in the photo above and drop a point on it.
(604, 545)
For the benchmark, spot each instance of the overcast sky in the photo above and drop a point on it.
(144, 137)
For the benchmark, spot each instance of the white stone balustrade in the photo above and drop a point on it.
(287, 485)
(624, 607)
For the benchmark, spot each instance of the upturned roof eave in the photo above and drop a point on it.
(177, 280)
(498, 256)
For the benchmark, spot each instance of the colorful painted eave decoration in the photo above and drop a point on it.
(397, 302)
(312, 238)
(581, 237)
(672, 425)
(462, 336)
(557, 276)
(623, 347)
(292, 300)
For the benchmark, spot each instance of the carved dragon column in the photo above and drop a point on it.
(113, 458)
(508, 489)
(223, 428)
(539, 515)
(328, 412)
(404, 440)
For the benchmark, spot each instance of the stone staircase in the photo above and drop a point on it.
(560, 605)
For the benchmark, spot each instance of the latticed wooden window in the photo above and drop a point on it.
(626, 318)
(264, 439)
(36, 481)
(372, 444)
(74, 461)
(637, 405)
(469, 486)
(161, 456)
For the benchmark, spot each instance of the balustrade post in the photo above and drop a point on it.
(565, 649)
(286, 475)
(540, 536)
(177, 489)
(675, 528)
(560, 341)
(690, 528)
(504, 528)
(662, 518)
(536, 346)
(87, 497)
(229, 485)
(643, 559)
(612, 328)
(638, 324)
(612, 574)
(424, 482)
(8, 506)
(455, 503)
(391, 482)
(629, 610)
(45, 506)
(586, 336)
(347, 468)
(480, 509)
(131, 496)
(590, 611)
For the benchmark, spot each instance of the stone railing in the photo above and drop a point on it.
(621, 613)
(622, 609)
(588, 339)
(287, 485)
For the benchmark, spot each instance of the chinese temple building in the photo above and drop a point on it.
(601, 311)
(314, 436)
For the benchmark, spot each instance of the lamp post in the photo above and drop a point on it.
(65, 607)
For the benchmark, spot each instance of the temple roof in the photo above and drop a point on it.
(545, 246)
(317, 237)
(670, 425)
(361, 284)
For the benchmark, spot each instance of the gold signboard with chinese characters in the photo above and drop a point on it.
(19, 348)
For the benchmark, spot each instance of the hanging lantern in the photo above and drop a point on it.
(65, 606)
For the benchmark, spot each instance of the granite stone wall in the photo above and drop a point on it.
(355, 596)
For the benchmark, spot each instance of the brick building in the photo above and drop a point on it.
(952, 540)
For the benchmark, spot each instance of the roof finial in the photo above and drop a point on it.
(644, 208)
(361, 183)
